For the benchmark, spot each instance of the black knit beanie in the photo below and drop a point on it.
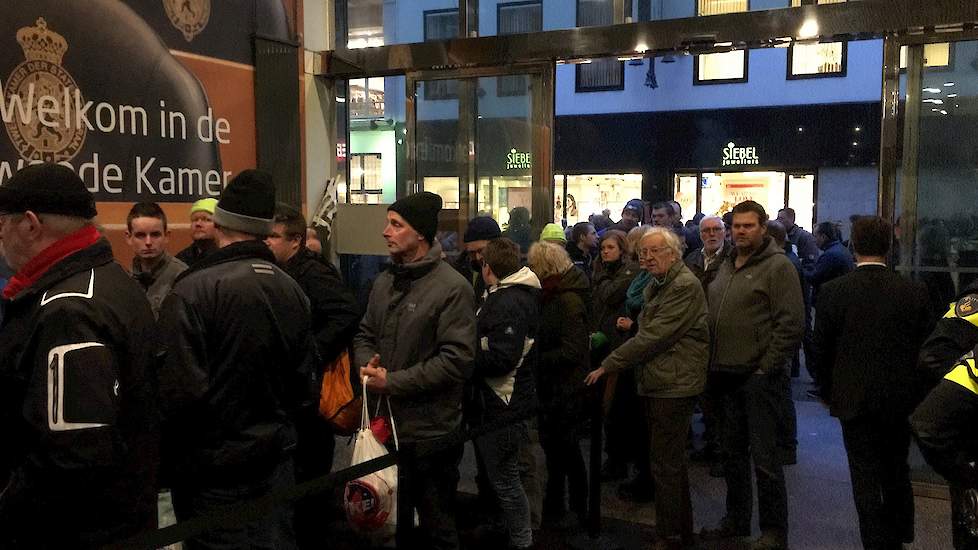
(47, 189)
(247, 204)
(482, 228)
(420, 210)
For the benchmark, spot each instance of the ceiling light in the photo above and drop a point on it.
(932, 90)
(642, 47)
(859, 128)
(809, 29)
(855, 143)
(934, 110)
(949, 84)
(952, 95)
(943, 112)
(801, 129)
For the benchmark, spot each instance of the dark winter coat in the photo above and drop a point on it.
(78, 407)
(610, 284)
(421, 321)
(239, 363)
(335, 314)
(564, 358)
(696, 262)
(834, 262)
(507, 328)
(756, 313)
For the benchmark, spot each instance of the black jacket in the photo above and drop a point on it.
(868, 332)
(954, 335)
(193, 253)
(581, 260)
(610, 284)
(696, 261)
(335, 314)
(78, 407)
(834, 262)
(239, 360)
(463, 264)
(564, 360)
(507, 325)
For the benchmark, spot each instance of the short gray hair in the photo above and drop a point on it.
(672, 240)
(712, 218)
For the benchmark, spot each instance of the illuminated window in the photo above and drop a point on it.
(716, 7)
(600, 74)
(589, 194)
(935, 55)
(365, 19)
(720, 68)
(366, 180)
(366, 98)
(815, 60)
(796, 3)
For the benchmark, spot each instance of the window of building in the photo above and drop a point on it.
(720, 68)
(365, 20)
(817, 60)
(599, 75)
(717, 7)
(935, 55)
(517, 18)
(366, 180)
(440, 25)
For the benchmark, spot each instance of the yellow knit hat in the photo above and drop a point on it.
(204, 205)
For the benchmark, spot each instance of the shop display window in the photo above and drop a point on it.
(935, 55)
(498, 196)
(685, 193)
(801, 197)
(446, 188)
(366, 179)
(721, 192)
(589, 194)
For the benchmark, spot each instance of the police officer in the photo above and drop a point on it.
(944, 426)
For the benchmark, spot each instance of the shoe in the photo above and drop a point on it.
(613, 471)
(770, 540)
(636, 491)
(716, 469)
(726, 530)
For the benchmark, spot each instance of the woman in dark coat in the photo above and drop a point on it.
(613, 273)
(562, 366)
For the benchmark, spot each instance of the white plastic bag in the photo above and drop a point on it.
(371, 501)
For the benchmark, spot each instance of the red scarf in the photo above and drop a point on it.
(40, 264)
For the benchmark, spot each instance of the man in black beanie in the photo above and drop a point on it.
(479, 232)
(238, 367)
(77, 407)
(417, 343)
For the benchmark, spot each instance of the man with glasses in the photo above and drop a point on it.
(756, 294)
(78, 408)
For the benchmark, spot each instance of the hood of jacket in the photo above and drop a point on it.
(768, 248)
(524, 277)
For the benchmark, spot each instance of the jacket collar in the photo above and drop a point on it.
(234, 251)
(152, 274)
(523, 277)
(768, 248)
(84, 259)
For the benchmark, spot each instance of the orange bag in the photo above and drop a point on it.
(337, 403)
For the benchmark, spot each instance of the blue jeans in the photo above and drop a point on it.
(500, 452)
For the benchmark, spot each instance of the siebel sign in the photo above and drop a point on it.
(739, 156)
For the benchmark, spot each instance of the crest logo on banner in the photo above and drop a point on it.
(189, 16)
(50, 136)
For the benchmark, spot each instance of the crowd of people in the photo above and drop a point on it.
(200, 372)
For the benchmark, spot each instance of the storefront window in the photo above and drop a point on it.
(498, 196)
(366, 98)
(589, 194)
(721, 68)
(801, 197)
(685, 193)
(366, 179)
(812, 60)
(721, 192)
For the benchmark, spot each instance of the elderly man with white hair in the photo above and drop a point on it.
(704, 262)
(670, 352)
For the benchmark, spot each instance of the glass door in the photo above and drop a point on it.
(482, 140)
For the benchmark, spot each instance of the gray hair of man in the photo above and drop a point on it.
(672, 241)
(717, 219)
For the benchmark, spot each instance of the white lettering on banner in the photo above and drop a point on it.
(739, 156)
(70, 112)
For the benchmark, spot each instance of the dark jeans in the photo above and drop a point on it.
(669, 421)
(877, 448)
(751, 416)
(273, 531)
(431, 483)
(500, 451)
(313, 458)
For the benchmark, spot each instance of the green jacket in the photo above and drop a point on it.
(672, 347)
(757, 314)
